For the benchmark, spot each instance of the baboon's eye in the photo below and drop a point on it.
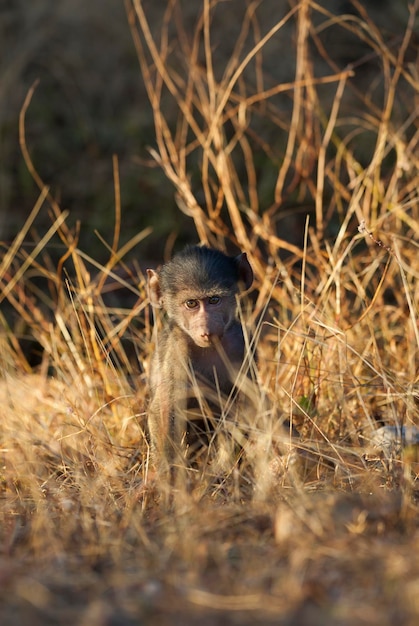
(214, 300)
(191, 304)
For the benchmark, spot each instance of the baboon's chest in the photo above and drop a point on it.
(214, 374)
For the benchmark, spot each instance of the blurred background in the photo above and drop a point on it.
(91, 103)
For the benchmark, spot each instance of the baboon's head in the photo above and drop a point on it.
(198, 288)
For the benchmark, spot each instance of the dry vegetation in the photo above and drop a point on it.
(325, 533)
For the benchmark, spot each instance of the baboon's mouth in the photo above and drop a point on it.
(210, 341)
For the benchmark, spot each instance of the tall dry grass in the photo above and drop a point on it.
(321, 532)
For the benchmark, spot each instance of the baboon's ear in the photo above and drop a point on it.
(154, 291)
(245, 270)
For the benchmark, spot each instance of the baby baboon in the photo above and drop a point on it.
(200, 350)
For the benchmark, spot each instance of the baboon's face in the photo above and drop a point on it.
(204, 318)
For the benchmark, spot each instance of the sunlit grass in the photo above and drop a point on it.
(316, 529)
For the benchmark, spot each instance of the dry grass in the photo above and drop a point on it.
(326, 532)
